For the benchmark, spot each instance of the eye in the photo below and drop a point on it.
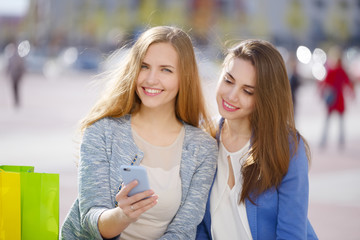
(249, 92)
(227, 80)
(167, 70)
(144, 66)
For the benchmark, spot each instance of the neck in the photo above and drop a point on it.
(156, 118)
(159, 128)
(237, 128)
(235, 134)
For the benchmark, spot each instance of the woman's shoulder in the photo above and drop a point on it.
(299, 159)
(108, 125)
(112, 122)
(198, 135)
(196, 131)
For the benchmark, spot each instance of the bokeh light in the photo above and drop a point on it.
(69, 56)
(303, 54)
(318, 71)
(319, 56)
(24, 48)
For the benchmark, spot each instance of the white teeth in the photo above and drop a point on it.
(228, 106)
(153, 91)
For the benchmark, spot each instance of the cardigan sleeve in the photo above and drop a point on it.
(192, 209)
(293, 198)
(94, 183)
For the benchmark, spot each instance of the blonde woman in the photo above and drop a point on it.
(261, 188)
(153, 115)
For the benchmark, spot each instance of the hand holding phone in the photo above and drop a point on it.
(138, 173)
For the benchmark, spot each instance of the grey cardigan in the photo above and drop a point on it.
(107, 144)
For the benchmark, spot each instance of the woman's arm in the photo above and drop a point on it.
(113, 221)
(202, 232)
(191, 212)
(293, 198)
(94, 173)
(99, 216)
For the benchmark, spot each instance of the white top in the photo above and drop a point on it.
(228, 217)
(164, 178)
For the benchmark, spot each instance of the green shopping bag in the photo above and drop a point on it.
(39, 203)
(40, 206)
(17, 169)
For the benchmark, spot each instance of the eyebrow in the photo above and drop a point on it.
(232, 77)
(166, 66)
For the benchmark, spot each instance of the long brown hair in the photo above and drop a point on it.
(274, 136)
(120, 97)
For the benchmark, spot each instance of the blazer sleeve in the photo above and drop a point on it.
(201, 232)
(293, 198)
(191, 212)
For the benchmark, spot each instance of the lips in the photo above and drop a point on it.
(151, 91)
(228, 107)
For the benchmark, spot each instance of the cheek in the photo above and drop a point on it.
(251, 104)
(220, 89)
(176, 85)
(138, 80)
(138, 84)
(141, 77)
(218, 97)
(173, 84)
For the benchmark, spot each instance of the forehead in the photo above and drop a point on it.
(161, 53)
(242, 70)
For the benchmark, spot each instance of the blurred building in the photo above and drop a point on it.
(55, 24)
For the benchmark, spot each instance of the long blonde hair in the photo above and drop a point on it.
(274, 136)
(120, 97)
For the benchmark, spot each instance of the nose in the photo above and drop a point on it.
(153, 77)
(234, 94)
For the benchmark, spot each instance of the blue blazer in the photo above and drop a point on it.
(278, 213)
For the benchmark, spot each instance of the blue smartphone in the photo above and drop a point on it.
(131, 173)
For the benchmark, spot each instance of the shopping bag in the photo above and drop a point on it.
(17, 169)
(40, 206)
(39, 194)
(10, 212)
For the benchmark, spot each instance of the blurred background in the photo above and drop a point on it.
(60, 46)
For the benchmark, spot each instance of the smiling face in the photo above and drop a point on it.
(236, 88)
(158, 81)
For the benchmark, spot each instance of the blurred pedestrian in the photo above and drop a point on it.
(332, 90)
(15, 71)
(294, 79)
(152, 115)
(261, 187)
